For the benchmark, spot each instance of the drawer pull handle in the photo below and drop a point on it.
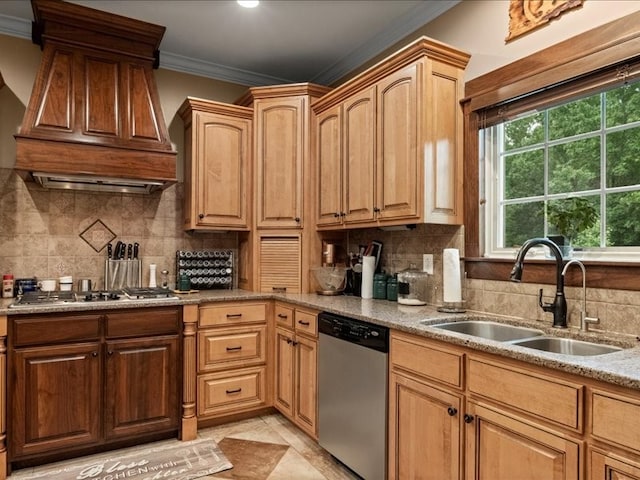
(306, 324)
(234, 315)
(94, 354)
(282, 315)
(237, 390)
(452, 411)
(468, 418)
(110, 352)
(289, 341)
(234, 349)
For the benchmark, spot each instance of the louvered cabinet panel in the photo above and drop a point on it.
(280, 259)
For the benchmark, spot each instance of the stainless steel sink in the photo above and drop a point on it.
(567, 346)
(490, 330)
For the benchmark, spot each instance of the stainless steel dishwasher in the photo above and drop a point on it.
(352, 393)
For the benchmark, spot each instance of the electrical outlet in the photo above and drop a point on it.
(427, 263)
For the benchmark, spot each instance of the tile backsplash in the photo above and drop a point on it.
(40, 229)
(40, 236)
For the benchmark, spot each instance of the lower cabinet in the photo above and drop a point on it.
(88, 380)
(231, 356)
(296, 351)
(456, 414)
(501, 446)
(607, 466)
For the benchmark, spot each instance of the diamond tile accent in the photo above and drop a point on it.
(97, 235)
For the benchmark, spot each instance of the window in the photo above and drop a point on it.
(588, 148)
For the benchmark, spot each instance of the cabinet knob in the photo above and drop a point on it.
(336, 215)
(201, 216)
(452, 411)
(94, 354)
(297, 219)
(110, 352)
(342, 214)
(376, 210)
(467, 418)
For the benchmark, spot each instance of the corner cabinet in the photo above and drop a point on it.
(389, 143)
(82, 381)
(218, 146)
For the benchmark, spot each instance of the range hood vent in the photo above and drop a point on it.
(94, 116)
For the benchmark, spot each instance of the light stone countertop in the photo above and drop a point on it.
(620, 368)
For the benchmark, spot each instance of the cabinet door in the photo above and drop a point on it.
(359, 156)
(397, 145)
(280, 129)
(606, 467)
(424, 431)
(280, 263)
(500, 446)
(222, 155)
(329, 171)
(306, 411)
(55, 395)
(284, 371)
(141, 392)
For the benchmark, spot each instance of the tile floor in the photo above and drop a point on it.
(266, 448)
(293, 455)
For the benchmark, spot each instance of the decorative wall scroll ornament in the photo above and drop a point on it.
(526, 15)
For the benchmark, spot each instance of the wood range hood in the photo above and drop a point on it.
(94, 120)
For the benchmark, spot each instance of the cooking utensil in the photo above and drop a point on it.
(84, 285)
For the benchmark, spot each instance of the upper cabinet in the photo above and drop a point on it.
(218, 139)
(282, 145)
(389, 142)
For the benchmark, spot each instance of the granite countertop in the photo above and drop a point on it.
(620, 368)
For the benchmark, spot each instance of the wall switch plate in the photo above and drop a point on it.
(427, 263)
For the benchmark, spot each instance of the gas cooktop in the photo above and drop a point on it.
(103, 296)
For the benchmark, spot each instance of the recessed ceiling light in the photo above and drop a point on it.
(248, 3)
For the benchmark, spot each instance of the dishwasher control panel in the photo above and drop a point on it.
(355, 331)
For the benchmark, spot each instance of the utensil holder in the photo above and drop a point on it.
(120, 274)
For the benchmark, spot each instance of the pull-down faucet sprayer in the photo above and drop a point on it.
(559, 305)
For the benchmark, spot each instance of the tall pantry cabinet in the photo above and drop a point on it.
(283, 243)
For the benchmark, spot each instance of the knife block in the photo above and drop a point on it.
(119, 274)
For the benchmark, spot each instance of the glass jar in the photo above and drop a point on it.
(412, 286)
(380, 286)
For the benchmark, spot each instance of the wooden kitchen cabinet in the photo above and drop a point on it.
(282, 123)
(608, 466)
(296, 347)
(231, 359)
(457, 414)
(502, 446)
(396, 131)
(425, 410)
(218, 165)
(82, 380)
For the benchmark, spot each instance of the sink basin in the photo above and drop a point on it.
(489, 330)
(566, 346)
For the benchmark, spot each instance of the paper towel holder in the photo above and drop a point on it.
(452, 307)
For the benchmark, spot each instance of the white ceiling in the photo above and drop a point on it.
(280, 41)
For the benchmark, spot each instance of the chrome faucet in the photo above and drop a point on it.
(584, 320)
(559, 305)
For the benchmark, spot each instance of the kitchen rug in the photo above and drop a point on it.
(170, 459)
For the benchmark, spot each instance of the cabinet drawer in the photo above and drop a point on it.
(232, 347)
(142, 322)
(549, 399)
(415, 355)
(608, 412)
(284, 316)
(228, 392)
(232, 314)
(306, 322)
(47, 329)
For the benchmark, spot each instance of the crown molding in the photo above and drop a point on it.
(393, 33)
(396, 31)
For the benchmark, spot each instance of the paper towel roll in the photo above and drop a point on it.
(368, 267)
(451, 281)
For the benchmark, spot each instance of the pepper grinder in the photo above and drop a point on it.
(164, 275)
(152, 276)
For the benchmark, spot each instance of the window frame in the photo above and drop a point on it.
(585, 63)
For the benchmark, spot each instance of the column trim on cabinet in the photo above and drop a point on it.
(189, 427)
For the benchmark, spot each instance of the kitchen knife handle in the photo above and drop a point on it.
(109, 250)
(136, 250)
(129, 251)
